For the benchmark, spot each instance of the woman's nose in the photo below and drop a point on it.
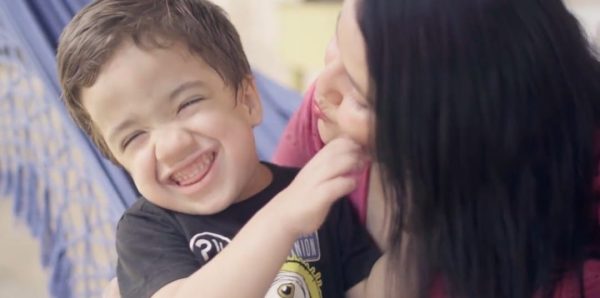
(328, 86)
(328, 90)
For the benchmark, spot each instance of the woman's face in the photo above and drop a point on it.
(343, 85)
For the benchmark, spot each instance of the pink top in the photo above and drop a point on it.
(301, 141)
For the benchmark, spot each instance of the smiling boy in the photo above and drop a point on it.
(164, 89)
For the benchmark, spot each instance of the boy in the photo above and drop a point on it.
(164, 89)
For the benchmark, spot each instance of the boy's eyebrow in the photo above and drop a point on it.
(112, 134)
(181, 88)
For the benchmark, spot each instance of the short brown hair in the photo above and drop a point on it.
(90, 40)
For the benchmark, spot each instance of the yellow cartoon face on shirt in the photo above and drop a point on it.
(297, 279)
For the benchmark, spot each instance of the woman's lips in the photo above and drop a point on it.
(318, 112)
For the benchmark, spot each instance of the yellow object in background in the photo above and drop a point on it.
(305, 31)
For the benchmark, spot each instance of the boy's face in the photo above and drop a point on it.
(174, 125)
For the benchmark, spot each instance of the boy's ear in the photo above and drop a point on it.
(250, 99)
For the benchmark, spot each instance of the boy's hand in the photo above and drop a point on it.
(328, 176)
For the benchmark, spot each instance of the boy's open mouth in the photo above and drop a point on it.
(195, 171)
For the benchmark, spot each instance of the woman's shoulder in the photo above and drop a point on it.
(300, 140)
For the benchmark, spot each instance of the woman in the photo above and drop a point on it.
(482, 117)
(315, 123)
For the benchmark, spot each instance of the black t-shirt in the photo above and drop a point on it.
(157, 246)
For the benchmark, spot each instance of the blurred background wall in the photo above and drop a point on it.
(285, 39)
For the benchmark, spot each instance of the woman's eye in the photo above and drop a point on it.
(130, 138)
(360, 103)
(188, 103)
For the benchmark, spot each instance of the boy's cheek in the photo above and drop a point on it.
(141, 165)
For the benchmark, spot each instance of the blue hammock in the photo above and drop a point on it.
(69, 196)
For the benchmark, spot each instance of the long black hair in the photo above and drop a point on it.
(486, 112)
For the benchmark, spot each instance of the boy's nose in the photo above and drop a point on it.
(173, 145)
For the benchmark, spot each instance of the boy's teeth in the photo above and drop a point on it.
(193, 172)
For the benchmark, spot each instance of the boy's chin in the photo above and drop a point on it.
(200, 208)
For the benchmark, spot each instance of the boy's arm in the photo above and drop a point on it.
(248, 265)
(245, 268)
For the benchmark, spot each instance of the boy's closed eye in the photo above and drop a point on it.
(130, 138)
(188, 103)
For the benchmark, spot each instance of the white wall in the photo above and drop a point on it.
(258, 26)
(272, 30)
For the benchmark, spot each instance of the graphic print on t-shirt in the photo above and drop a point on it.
(208, 244)
(296, 279)
(307, 248)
